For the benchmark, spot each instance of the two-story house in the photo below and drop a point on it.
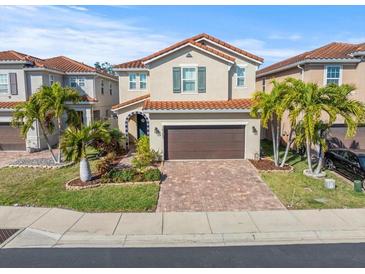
(22, 75)
(339, 63)
(192, 99)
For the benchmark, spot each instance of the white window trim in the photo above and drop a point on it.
(139, 80)
(244, 77)
(110, 88)
(77, 81)
(182, 79)
(325, 74)
(102, 89)
(8, 91)
(51, 76)
(129, 82)
(81, 78)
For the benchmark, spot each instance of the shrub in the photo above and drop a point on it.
(152, 175)
(105, 164)
(144, 155)
(124, 175)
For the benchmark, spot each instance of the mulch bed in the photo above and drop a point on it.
(269, 165)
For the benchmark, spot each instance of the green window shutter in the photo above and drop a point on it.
(201, 79)
(176, 77)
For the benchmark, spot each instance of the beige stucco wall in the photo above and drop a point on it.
(124, 92)
(21, 80)
(158, 121)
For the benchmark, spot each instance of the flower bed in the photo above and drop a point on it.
(269, 166)
(118, 177)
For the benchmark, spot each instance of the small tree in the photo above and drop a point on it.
(75, 142)
(30, 112)
(54, 101)
(144, 155)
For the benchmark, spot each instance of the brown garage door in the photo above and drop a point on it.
(204, 142)
(337, 137)
(10, 138)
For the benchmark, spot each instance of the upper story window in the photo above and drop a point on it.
(263, 85)
(241, 73)
(142, 80)
(132, 81)
(333, 74)
(4, 83)
(188, 79)
(110, 89)
(77, 81)
(51, 79)
(102, 87)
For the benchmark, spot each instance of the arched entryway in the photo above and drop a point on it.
(136, 125)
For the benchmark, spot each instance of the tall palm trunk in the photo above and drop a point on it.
(47, 142)
(274, 142)
(59, 140)
(309, 158)
(320, 160)
(85, 171)
(288, 144)
(277, 140)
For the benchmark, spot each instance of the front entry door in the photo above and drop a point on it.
(141, 126)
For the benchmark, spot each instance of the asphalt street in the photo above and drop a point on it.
(311, 255)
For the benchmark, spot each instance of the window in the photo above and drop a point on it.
(142, 80)
(188, 79)
(81, 82)
(240, 71)
(110, 89)
(73, 82)
(102, 87)
(107, 114)
(333, 75)
(51, 80)
(132, 81)
(4, 83)
(263, 85)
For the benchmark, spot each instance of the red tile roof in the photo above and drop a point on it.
(60, 63)
(194, 41)
(134, 100)
(87, 98)
(9, 104)
(330, 51)
(198, 105)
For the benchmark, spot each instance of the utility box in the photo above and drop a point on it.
(358, 186)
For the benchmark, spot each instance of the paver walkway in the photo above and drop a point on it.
(218, 185)
(6, 157)
(52, 227)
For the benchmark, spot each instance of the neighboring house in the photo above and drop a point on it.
(339, 63)
(192, 99)
(22, 75)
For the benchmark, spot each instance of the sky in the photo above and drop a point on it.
(117, 34)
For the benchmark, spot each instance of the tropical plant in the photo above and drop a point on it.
(114, 146)
(106, 163)
(54, 101)
(153, 174)
(317, 108)
(27, 114)
(270, 107)
(75, 141)
(123, 175)
(145, 156)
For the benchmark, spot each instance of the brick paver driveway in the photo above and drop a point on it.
(219, 185)
(6, 157)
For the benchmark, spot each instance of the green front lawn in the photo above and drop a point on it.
(45, 188)
(297, 191)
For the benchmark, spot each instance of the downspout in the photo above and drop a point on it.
(302, 69)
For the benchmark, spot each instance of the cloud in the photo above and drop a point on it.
(291, 37)
(46, 31)
(78, 8)
(356, 40)
(260, 48)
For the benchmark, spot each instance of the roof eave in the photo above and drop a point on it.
(183, 46)
(130, 69)
(127, 105)
(246, 110)
(244, 56)
(307, 61)
(14, 62)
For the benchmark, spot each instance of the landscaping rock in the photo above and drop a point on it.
(38, 163)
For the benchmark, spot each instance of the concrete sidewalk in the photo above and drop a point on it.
(44, 227)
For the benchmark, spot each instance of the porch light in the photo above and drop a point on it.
(254, 130)
(157, 131)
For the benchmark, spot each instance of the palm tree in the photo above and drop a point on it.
(318, 108)
(30, 112)
(75, 142)
(271, 107)
(54, 101)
